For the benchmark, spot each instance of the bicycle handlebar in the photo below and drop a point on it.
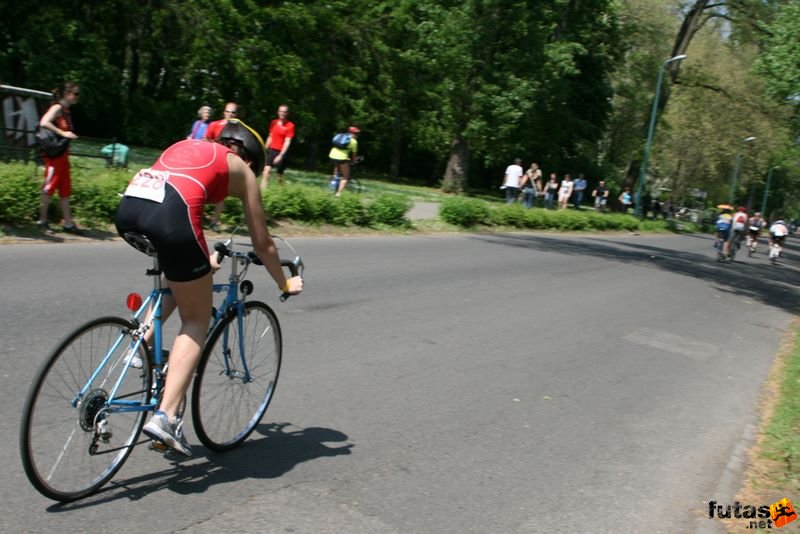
(295, 266)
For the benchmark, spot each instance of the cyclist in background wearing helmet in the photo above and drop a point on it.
(165, 203)
(740, 219)
(723, 226)
(777, 233)
(342, 157)
(754, 226)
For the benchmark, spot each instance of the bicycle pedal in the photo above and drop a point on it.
(158, 447)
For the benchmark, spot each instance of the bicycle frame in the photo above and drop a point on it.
(154, 320)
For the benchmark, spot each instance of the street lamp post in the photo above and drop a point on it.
(766, 190)
(650, 130)
(735, 176)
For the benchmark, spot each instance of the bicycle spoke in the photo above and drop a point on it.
(226, 404)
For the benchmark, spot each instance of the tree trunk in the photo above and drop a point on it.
(396, 148)
(455, 175)
(692, 23)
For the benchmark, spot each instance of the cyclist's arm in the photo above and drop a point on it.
(285, 149)
(243, 184)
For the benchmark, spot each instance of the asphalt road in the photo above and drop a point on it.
(443, 384)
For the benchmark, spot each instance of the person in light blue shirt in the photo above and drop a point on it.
(577, 194)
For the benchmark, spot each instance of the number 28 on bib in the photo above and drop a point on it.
(148, 184)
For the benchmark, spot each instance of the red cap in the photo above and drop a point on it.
(354, 129)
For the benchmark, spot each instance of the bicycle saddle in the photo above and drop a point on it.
(139, 242)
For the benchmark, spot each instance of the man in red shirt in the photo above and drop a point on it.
(230, 111)
(281, 133)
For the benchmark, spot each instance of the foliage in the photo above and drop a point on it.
(316, 205)
(439, 87)
(463, 211)
(19, 194)
(389, 209)
(468, 212)
(781, 441)
(96, 195)
(780, 62)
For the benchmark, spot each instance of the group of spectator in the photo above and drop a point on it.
(527, 186)
(279, 139)
(57, 119)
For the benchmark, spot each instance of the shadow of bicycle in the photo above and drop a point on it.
(281, 447)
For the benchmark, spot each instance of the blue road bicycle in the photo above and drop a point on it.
(88, 402)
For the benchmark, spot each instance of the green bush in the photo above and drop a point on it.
(232, 214)
(287, 202)
(96, 195)
(464, 211)
(19, 194)
(509, 215)
(389, 209)
(312, 204)
(351, 210)
(537, 219)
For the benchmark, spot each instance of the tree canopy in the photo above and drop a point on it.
(444, 91)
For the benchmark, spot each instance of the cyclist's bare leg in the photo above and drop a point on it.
(344, 171)
(194, 301)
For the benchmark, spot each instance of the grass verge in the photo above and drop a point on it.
(773, 470)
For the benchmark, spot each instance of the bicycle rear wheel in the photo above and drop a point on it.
(73, 443)
(226, 403)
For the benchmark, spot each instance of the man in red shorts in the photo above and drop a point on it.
(281, 133)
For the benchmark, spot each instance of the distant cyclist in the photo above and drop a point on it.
(777, 233)
(723, 226)
(341, 157)
(754, 226)
(739, 226)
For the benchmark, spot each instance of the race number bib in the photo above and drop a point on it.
(148, 184)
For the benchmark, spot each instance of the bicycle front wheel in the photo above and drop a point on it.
(236, 376)
(73, 437)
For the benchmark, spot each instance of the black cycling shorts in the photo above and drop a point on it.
(181, 251)
(271, 153)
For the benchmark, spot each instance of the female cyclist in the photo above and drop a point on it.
(165, 203)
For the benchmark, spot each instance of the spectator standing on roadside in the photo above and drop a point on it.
(531, 185)
(565, 191)
(600, 195)
(577, 195)
(229, 112)
(57, 175)
(201, 124)
(625, 199)
(511, 180)
(281, 133)
(550, 191)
